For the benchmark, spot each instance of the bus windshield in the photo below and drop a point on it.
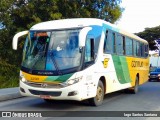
(52, 50)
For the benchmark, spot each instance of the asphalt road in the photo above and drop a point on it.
(147, 99)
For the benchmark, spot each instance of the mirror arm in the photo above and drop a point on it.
(15, 39)
(82, 36)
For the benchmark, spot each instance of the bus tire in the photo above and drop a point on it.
(98, 99)
(136, 87)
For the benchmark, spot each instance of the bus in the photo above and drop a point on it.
(80, 59)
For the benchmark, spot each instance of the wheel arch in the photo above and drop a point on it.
(138, 76)
(103, 80)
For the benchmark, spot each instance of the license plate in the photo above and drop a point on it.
(45, 96)
(153, 76)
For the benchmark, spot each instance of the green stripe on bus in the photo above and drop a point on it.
(121, 67)
(62, 78)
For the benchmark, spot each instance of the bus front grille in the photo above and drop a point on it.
(54, 93)
(44, 85)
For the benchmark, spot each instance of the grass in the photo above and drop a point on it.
(9, 81)
(9, 75)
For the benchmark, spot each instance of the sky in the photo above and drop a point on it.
(139, 14)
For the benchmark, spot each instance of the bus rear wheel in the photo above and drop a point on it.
(134, 89)
(98, 99)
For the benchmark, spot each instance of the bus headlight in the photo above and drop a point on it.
(21, 78)
(73, 81)
(158, 76)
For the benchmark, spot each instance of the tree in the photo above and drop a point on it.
(108, 10)
(25, 13)
(150, 34)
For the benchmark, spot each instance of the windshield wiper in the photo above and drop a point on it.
(38, 56)
(55, 63)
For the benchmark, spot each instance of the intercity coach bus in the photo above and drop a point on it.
(79, 59)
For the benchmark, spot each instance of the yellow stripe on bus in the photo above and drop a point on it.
(34, 78)
(138, 66)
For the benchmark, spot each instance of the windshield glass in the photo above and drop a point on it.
(157, 70)
(52, 50)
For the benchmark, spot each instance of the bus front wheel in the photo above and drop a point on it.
(98, 99)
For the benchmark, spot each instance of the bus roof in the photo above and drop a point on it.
(79, 23)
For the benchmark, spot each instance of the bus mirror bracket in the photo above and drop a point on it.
(16, 37)
(83, 35)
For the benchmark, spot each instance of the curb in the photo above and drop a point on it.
(8, 94)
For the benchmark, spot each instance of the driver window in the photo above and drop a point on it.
(89, 50)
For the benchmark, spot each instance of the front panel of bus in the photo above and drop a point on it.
(54, 66)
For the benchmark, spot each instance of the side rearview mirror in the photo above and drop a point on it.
(16, 37)
(83, 35)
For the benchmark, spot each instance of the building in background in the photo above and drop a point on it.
(155, 55)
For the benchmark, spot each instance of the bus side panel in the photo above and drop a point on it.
(127, 68)
(121, 68)
(116, 73)
(140, 67)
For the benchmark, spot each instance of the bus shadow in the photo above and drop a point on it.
(69, 104)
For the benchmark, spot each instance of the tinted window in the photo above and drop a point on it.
(134, 48)
(146, 51)
(142, 50)
(114, 42)
(89, 55)
(129, 46)
(138, 49)
(119, 44)
(157, 70)
(109, 42)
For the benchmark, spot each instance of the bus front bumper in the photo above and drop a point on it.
(76, 92)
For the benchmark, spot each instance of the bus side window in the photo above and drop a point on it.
(146, 51)
(105, 42)
(109, 42)
(124, 46)
(134, 47)
(114, 42)
(89, 50)
(129, 46)
(119, 44)
(138, 50)
(142, 49)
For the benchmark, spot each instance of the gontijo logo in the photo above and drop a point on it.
(105, 62)
(137, 64)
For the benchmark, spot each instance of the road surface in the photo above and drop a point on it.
(147, 99)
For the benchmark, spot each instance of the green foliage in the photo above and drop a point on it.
(108, 10)
(150, 34)
(8, 75)
(19, 15)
